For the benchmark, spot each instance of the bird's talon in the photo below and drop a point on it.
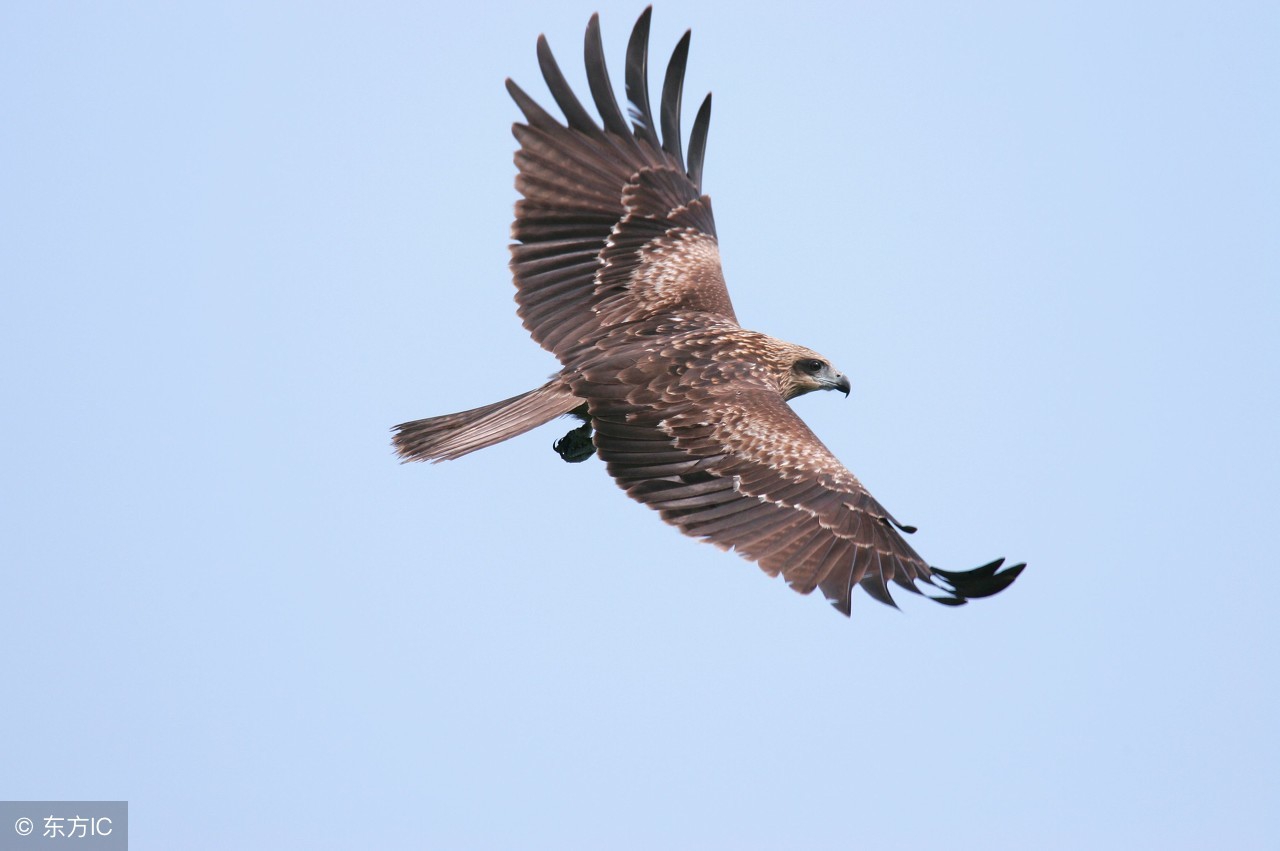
(576, 446)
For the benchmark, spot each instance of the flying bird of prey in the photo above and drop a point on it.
(617, 273)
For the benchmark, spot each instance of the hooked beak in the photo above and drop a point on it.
(832, 380)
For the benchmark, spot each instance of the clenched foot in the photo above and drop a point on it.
(576, 446)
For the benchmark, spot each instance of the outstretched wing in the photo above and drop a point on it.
(734, 465)
(613, 227)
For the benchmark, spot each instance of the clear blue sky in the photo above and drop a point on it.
(240, 241)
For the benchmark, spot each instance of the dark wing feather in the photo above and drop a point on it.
(672, 87)
(735, 466)
(611, 227)
(598, 79)
(698, 142)
(579, 119)
(637, 79)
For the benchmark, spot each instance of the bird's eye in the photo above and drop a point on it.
(812, 366)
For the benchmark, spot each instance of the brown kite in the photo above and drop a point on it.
(617, 273)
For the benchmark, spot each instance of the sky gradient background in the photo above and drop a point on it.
(240, 241)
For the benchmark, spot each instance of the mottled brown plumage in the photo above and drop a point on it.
(617, 273)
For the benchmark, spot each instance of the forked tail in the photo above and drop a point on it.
(455, 435)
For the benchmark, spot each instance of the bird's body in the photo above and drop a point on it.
(617, 270)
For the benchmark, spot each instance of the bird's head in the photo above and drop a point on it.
(808, 371)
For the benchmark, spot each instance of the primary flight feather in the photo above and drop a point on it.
(617, 273)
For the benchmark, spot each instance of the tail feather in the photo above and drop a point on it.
(454, 435)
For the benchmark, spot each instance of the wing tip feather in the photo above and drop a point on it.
(984, 581)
